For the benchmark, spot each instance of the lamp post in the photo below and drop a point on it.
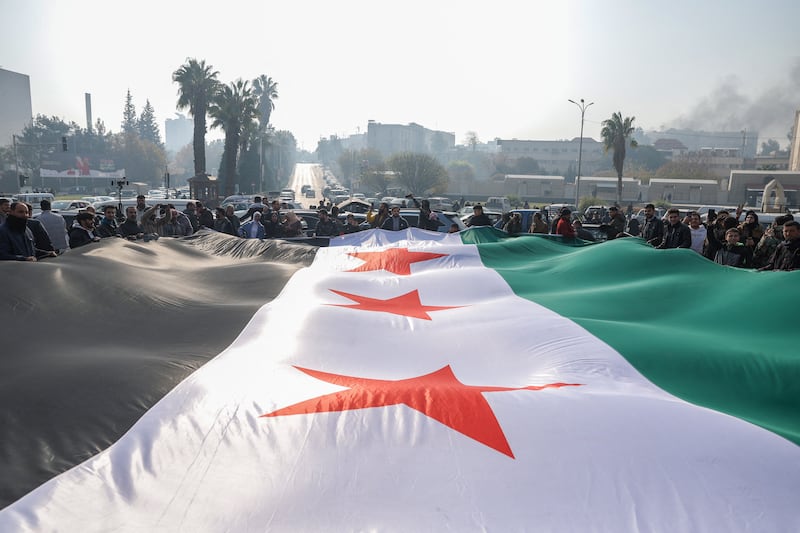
(582, 106)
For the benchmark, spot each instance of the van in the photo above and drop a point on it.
(498, 203)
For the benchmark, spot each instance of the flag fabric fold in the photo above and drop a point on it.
(415, 382)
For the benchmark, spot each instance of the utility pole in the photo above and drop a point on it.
(582, 106)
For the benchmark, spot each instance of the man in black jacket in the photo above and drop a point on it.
(16, 241)
(676, 233)
(652, 228)
(787, 254)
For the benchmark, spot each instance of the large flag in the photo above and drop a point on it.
(412, 381)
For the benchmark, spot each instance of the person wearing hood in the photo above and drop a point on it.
(293, 226)
(253, 229)
(16, 240)
(751, 230)
(82, 230)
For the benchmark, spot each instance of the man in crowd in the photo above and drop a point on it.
(55, 226)
(479, 218)
(141, 207)
(616, 222)
(42, 244)
(734, 253)
(581, 233)
(652, 228)
(108, 224)
(232, 218)
(82, 230)
(376, 220)
(130, 229)
(16, 241)
(325, 227)
(787, 254)
(698, 232)
(221, 223)
(204, 216)
(191, 214)
(5, 208)
(395, 222)
(676, 233)
(351, 224)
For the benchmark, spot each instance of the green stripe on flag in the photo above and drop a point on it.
(716, 336)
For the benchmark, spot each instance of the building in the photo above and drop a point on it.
(554, 156)
(686, 191)
(747, 186)
(745, 141)
(15, 105)
(390, 139)
(671, 148)
(178, 132)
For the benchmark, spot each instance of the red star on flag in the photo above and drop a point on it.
(438, 395)
(404, 305)
(395, 260)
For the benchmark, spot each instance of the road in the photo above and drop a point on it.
(307, 174)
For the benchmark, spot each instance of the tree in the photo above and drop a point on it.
(461, 171)
(197, 85)
(471, 140)
(266, 91)
(616, 132)
(419, 173)
(769, 146)
(129, 122)
(233, 109)
(148, 127)
(527, 165)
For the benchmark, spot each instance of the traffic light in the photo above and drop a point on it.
(64, 143)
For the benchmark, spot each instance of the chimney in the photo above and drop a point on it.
(88, 112)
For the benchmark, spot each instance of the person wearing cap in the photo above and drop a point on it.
(325, 227)
(479, 218)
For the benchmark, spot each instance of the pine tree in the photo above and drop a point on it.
(129, 122)
(148, 128)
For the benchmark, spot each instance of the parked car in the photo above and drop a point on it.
(69, 205)
(446, 219)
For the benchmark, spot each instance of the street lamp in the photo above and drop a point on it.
(582, 106)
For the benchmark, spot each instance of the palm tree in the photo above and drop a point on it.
(615, 133)
(234, 108)
(197, 86)
(265, 90)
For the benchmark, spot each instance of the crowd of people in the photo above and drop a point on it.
(723, 238)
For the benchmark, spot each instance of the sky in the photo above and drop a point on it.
(503, 69)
